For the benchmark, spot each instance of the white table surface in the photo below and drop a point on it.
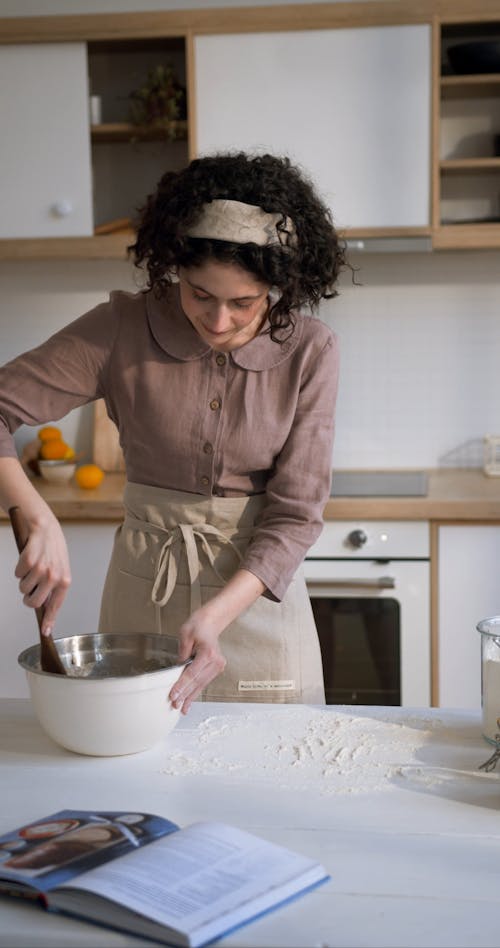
(389, 800)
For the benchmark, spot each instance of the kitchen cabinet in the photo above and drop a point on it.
(353, 91)
(89, 549)
(468, 591)
(467, 206)
(352, 106)
(74, 179)
(45, 178)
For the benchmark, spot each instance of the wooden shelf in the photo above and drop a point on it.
(469, 165)
(126, 132)
(467, 237)
(470, 86)
(113, 246)
(105, 247)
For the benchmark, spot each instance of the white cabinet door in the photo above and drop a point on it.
(45, 165)
(89, 549)
(353, 106)
(468, 591)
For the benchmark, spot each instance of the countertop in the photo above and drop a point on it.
(454, 494)
(390, 800)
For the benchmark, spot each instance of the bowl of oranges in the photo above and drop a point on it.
(51, 457)
(56, 460)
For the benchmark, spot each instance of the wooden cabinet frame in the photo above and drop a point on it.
(192, 22)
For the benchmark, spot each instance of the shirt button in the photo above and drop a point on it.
(215, 404)
(207, 448)
(220, 359)
(205, 480)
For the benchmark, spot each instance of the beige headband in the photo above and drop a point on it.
(243, 224)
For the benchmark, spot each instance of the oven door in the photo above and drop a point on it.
(373, 621)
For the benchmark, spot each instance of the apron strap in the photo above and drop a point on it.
(184, 538)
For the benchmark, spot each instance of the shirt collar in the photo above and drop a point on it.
(176, 336)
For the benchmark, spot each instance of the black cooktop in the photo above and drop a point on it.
(379, 484)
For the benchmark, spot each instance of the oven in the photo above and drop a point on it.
(369, 589)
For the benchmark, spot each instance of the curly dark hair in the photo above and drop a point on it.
(303, 274)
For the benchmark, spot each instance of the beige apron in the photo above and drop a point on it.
(173, 552)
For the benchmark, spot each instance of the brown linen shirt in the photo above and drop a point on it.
(259, 419)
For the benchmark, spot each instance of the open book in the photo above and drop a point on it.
(144, 875)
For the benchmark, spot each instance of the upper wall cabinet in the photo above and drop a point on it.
(402, 145)
(45, 178)
(67, 173)
(352, 106)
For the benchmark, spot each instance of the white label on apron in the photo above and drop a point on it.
(286, 684)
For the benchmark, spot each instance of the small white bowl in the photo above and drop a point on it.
(58, 471)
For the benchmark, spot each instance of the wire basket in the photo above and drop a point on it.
(491, 455)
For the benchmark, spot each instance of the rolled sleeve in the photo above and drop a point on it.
(298, 489)
(49, 381)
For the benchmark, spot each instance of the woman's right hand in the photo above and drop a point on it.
(43, 569)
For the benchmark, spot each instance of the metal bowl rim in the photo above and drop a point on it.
(23, 656)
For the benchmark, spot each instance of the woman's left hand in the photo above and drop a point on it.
(199, 636)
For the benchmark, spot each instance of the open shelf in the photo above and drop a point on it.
(467, 152)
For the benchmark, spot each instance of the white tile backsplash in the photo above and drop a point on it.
(420, 350)
(419, 341)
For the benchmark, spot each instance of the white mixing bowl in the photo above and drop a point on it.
(114, 699)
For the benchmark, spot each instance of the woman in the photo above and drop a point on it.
(223, 392)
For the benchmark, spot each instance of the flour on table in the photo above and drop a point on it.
(334, 751)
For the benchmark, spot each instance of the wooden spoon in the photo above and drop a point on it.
(50, 660)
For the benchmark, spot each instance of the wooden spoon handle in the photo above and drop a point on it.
(49, 656)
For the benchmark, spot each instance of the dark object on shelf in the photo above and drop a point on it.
(496, 146)
(478, 56)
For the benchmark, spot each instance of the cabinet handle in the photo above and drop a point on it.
(383, 582)
(62, 208)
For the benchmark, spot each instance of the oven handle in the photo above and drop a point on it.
(383, 582)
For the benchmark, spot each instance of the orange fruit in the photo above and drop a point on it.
(89, 475)
(49, 432)
(54, 449)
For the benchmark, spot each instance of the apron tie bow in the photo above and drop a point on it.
(185, 538)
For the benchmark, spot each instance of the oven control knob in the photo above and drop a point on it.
(357, 538)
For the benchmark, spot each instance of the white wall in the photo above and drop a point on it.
(420, 348)
(419, 338)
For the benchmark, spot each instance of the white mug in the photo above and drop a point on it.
(95, 109)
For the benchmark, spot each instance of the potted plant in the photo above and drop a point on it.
(159, 102)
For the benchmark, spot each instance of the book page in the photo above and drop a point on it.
(196, 875)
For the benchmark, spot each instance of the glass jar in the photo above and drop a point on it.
(490, 678)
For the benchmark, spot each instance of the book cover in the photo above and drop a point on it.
(48, 852)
